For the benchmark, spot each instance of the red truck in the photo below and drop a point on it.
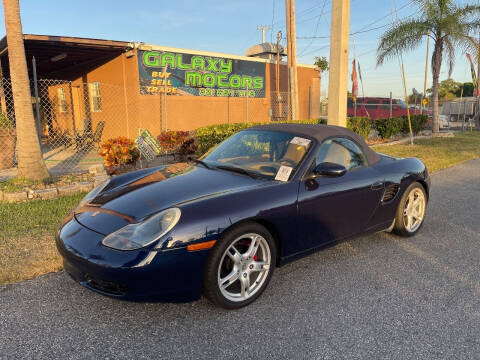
(379, 108)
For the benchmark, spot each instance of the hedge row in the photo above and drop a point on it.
(388, 127)
(209, 136)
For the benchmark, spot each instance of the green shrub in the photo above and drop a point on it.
(360, 125)
(418, 121)
(5, 122)
(209, 136)
(388, 127)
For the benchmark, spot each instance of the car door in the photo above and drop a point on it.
(332, 208)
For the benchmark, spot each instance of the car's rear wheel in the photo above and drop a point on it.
(240, 266)
(411, 211)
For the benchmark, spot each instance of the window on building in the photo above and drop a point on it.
(95, 98)
(62, 100)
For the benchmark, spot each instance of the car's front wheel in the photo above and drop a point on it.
(240, 266)
(411, 210)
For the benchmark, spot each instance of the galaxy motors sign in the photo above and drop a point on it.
(177, 73)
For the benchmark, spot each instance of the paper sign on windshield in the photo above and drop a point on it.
(300, 141)
(283, 173)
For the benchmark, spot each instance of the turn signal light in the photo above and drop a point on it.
(201, 246)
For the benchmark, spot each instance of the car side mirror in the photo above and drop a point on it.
(329, 169)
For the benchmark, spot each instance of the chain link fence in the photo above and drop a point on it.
(74, 117)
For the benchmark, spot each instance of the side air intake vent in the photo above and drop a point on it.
(390, 192)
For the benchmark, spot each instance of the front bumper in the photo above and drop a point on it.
(144, 274)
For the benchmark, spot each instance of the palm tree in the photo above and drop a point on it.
(29, 154)
(448, 25)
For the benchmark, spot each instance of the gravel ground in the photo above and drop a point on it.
(378, 296)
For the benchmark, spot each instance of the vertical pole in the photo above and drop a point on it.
(246, 99)
(165, 95)
(292, 54)
(354, 107)
(338, 74)
(277, 78)
(406, 101)
(37, 105)
(70, 90)
(292, 96)
(391, 106)
(426, 72)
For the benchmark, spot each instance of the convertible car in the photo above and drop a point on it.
(220, 225)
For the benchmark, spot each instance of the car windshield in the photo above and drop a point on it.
(258, 153)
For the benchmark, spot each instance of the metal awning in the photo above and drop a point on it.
(63, 57)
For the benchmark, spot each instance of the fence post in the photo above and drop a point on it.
(165, 95)
(37, 105)
(246, 98)
(72, 107)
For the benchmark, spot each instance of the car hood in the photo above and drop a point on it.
(132, 197)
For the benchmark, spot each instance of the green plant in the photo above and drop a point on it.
(117, 152)
(171, 141)
(209, 136)
(5, 122)
(388, 127)
(451, 24)
(418, 121)
(360, 125)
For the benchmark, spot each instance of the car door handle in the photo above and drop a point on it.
(377, 186)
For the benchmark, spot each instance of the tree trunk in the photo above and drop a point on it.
(29, 154)
(436, 65)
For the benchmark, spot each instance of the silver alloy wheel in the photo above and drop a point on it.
(414, 210)
(244, 267)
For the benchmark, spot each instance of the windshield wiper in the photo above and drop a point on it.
(239, 170)
(202, 163)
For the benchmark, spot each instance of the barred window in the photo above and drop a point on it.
(62, 100)
(95, 98)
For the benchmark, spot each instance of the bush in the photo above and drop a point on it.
(209, 136)
(388, 127)
(171, 141)
(419, 122)
(360, 125)
(5, 122)
(118, 152)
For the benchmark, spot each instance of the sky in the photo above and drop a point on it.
(231, 27)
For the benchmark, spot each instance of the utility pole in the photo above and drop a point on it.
(338, 74)
(263, 28)
(292, 56)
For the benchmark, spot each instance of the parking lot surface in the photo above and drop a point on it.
(378, 296)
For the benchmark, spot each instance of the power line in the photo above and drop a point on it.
(316, 27)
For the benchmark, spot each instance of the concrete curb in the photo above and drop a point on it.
(51, 193)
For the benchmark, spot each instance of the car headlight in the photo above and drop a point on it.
(136, 236)
(92, 194)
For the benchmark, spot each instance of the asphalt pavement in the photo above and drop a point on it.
(374, 297)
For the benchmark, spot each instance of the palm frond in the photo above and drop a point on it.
(449, 51)
(402, 36)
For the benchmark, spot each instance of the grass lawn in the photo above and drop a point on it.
(27, 245)
(438, 153)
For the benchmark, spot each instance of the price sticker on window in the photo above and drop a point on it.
(283, 173)
(300, 141)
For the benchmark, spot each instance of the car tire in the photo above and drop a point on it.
(240, 266)
(411, 210)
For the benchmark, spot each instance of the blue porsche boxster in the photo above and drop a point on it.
(219, 226)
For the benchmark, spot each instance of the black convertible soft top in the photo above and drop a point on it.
(322, 132)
